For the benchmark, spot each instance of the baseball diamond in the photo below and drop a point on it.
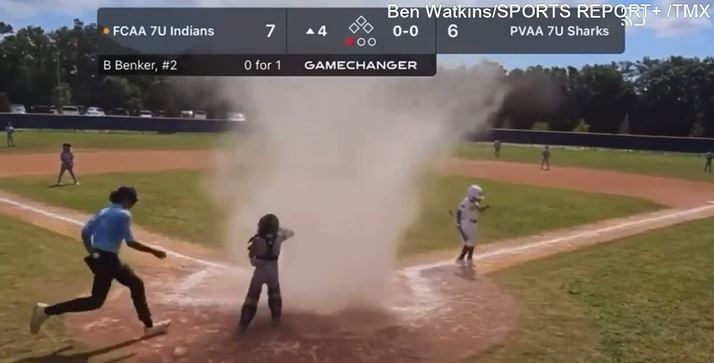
(310, 195)
(425, 293)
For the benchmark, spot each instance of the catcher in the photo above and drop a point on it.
(264, 250)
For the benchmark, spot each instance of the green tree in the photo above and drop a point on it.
(61, 96)
(4, 102)
(541, 126)
(582, 126)
(118, 92)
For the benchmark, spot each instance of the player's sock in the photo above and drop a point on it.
(464, 251)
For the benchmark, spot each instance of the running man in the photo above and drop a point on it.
(466, 219)
(66, 163)
(264, 250)
(102, 237)
(545, 162)
(708, 161)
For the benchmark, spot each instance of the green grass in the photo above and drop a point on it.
(170, 202)
(43, 141)
(516, 210)
(641, 299)
(176, 203)
(35, 265)
(674, 165)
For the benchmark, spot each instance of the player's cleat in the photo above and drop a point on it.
(460, 261)
(38, 317)
(76, 183)
(275, 322)
(158, 328)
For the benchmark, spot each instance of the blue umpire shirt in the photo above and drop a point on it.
(107, 229)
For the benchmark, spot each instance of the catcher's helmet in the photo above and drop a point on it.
(268, 225)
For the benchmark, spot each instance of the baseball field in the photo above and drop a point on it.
(604, 258)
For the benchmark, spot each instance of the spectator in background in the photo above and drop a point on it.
(9, 130)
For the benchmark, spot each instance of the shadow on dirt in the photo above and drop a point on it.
(60, 356)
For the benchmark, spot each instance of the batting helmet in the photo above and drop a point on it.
(474, 192)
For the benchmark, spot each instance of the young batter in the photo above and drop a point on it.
(264, 250)
(102, 237)
(67, 163)
(466, 219)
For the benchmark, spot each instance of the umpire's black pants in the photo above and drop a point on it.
(107, 267)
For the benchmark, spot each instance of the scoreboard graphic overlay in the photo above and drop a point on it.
(389, 41)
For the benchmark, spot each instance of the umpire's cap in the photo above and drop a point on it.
(123, 193)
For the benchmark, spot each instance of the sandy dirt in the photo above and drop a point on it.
(104, 162)
(437, 327)
(670, 192)
(438, 312)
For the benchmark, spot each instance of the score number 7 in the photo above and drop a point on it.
(270, 27)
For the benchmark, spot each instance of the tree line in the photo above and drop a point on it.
(59, 67)
(673, 96)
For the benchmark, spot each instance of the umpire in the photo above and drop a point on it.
(264, 250)
(102, 237)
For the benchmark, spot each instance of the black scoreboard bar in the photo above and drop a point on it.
(342, 41)
(270, 65)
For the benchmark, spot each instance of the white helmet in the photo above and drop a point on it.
(474, 192)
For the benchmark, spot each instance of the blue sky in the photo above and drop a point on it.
(661, 37)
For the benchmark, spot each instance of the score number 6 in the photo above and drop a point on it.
(453, 31)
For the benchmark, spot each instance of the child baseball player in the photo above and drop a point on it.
(67, 163)
(264, 250)
(102, 237)
(466, 219)
(545, 162)
(497, 148)
(708, 161)
(9, 131)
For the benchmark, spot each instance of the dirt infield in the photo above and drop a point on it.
(438, 312)
(104, 162)
(671, 192)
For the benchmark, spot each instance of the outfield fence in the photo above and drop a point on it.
(118, 123)
(174, 125)
(597, 140)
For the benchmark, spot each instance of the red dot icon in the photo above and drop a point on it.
(349, 41)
